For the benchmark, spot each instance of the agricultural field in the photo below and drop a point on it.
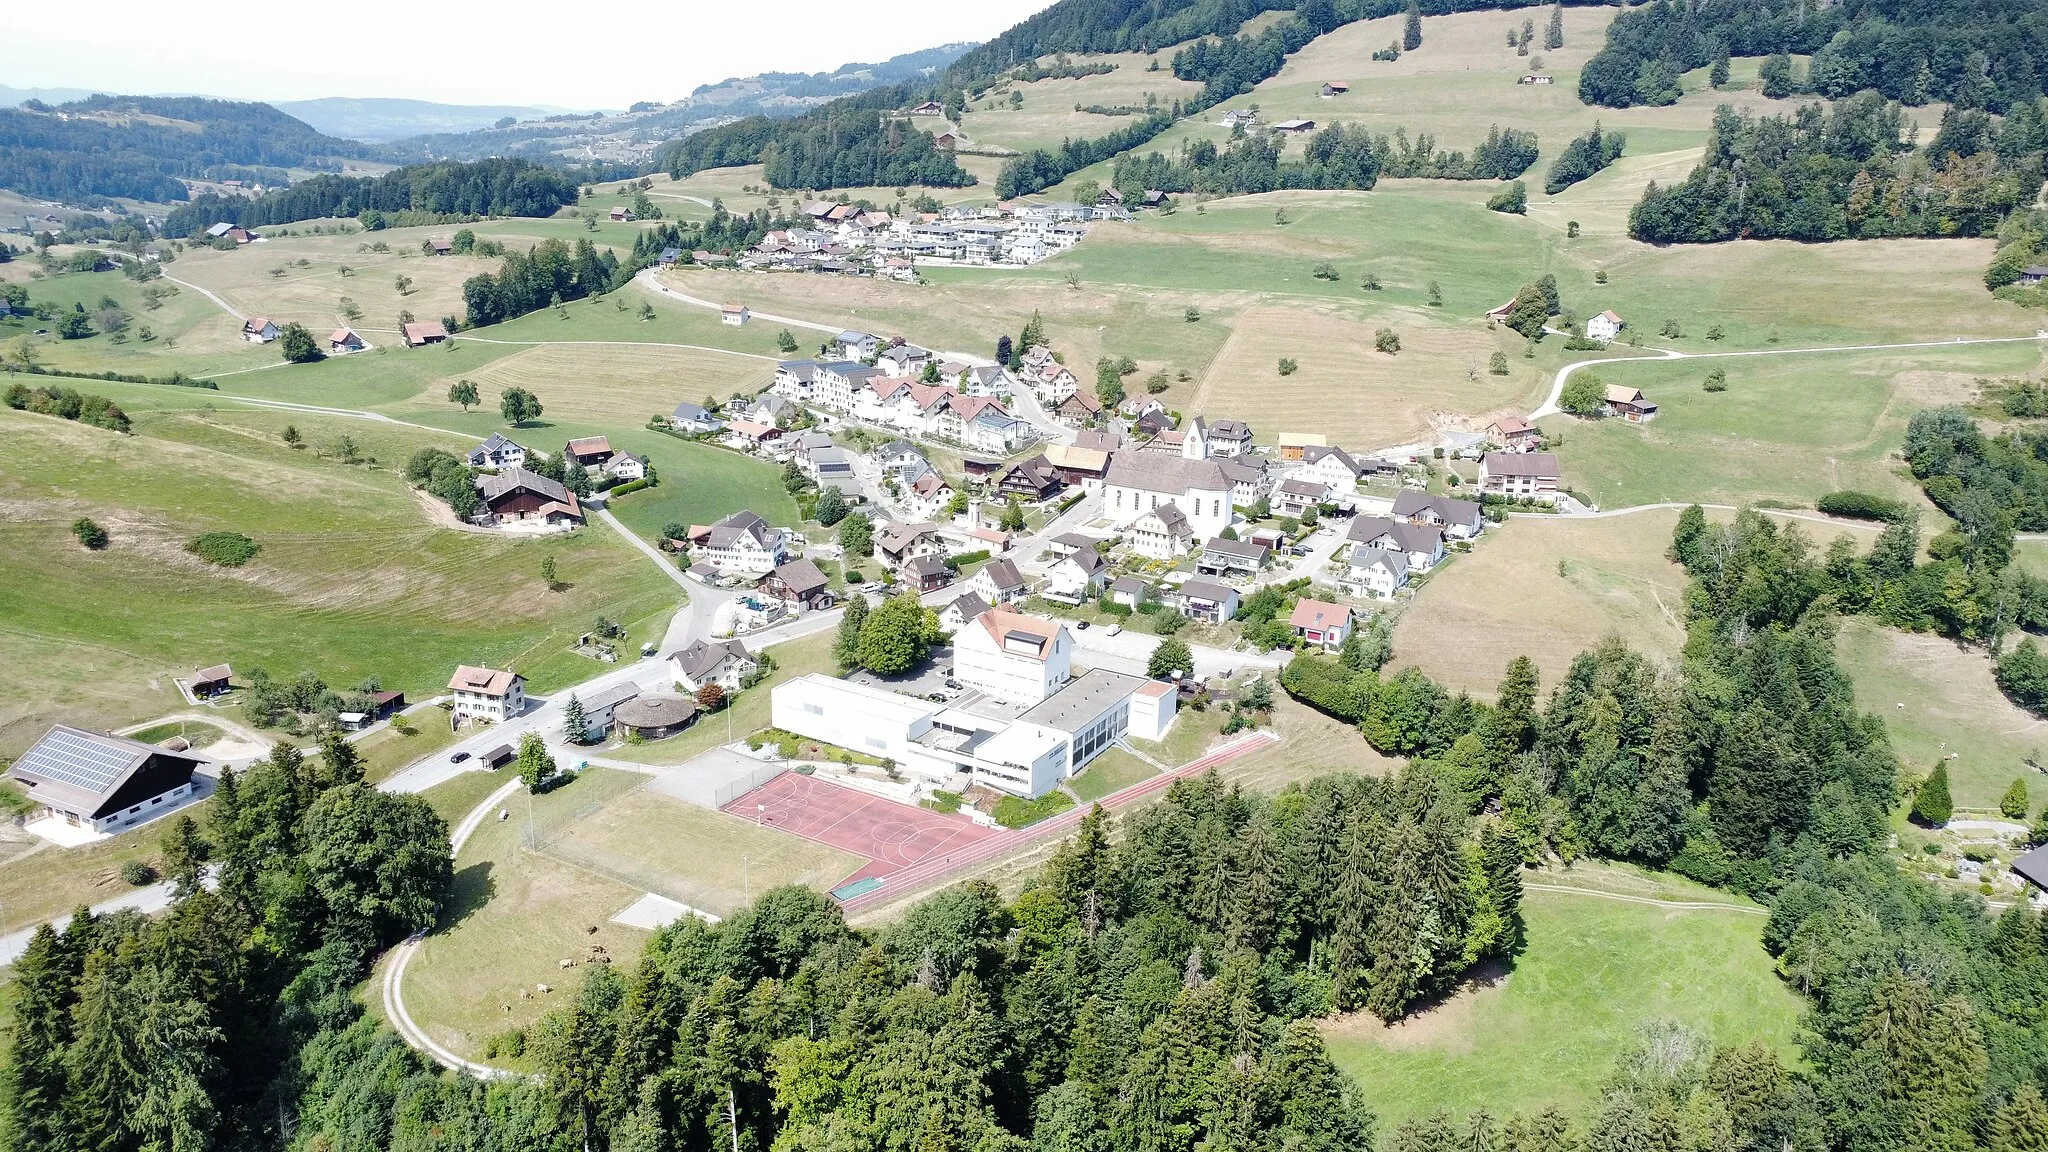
(1937, 699)
(1053, 110)
(1545, 1032)
(354, 579)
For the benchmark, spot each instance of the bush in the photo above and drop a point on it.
(225, 549)
(1387, 340)
(1717, 381)
(138, 873)
(1512, 199)
(1287, 366)
(1862, 506)
(89, 534)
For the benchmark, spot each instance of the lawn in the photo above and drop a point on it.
(1112, 771)
(406, 739)
(1546, 1033)
(1938, 698)
(1048, 111)
(459, 795)
(353, 579)
(40, 881)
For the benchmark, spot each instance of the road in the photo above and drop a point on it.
(648, 282)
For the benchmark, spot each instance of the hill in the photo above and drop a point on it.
(380, 120)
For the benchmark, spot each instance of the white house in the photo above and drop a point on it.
(734, 315)
(1375, 573)
(694, 419)
(1139, 482)
(1518, 475)
(858, 345)
(626, 467)
(1153, 707)
(998, 582)
(597, 709)
(726, 663)
(1080, 574)
(1604, 327)
(1015, 658)
(487, 693)
(1459, 519)
(1320, 622)
(1293, 497)
(1331, 467)
(1162, 533)
(743, 544)
(795, 379)
(497, 452)
(1207, 600)
(103, 783)
(1421, 544)
(259, 330)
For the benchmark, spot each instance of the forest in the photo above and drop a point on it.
(1988, 54)
(547, 274)
(1849, 172)
(476, 188)
(86, 152)
(848, 143)
(1585, 156)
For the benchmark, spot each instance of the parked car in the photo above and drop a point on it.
(458, 758)
(872, 587)
(952, 683)
(1115, 629)
(1081, 625)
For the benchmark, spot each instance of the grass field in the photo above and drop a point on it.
(40, 881)
(1546, 1032)
(1112, 771)
(1938, 698)
(1047, 115)
(423, 733)
(353, 579)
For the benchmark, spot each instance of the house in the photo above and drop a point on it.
(901, 461)
(857, 345)
(655, 715)
(1422, 545)
(695, 419)
(898, 543)
(343, 341)
(215, 231)
(752, 433)
(1129, 591)
(946, 139)
(102, 783)
(440, 246)
(1077, 409)
(1247, 476)
(1229, 438)
(1500, 315)
(726, 663)
(955, 615)
(832, 464)
(1293, 497)
(622, 215)
(1629, 404)
(1238, 118)
(626, 468)
(734, 315)
(1294, 127)
(259, 330)
(420, 333)
(1079, 574)
(795, 379)
(1514, 434)
(497, 757)
(210, 682)
(1334, 468)
(1604, 327)
(798, 582)
(516, 496)
(1079, 467)
(743, 544)
(769, 408)
(1459, 519)
(1225, 557)
(926, 573)
(1068, 543)
(1334, 88)
(1321, 622)
(589, 451)
(497, 452)
(929, 495)
(903, 359)
(1153, 198)
(998, 582)
(492, 694)
(598, 707)
(1015, 658)
(1207, 600)
(1375, 573)
(1033, 479)
(1161, 533)
(1138, 482)
(1519, 475)
(1293, 444)
(802, 445)
(929, 108)
(669, 256)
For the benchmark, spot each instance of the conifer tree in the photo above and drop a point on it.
(575, 726)
(1411, 32)
(44, 978)
(2013, 805)
(103, 1066)
(1553, 33)
(2022, 1125)
(846, 647)
(1931, 804)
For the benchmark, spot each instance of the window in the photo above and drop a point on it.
(877, 743)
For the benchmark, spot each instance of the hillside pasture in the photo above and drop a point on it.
(1047, 115)
(312, 295)
(615, 386)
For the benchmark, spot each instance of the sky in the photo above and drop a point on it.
(519, 52)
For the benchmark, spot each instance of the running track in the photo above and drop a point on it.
(932, 869)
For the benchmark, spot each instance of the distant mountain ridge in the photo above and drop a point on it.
(380, 120)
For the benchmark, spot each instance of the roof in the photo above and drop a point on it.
(1076, 541)
(703, 657)
(1305, 488)
(801, 577)
(1244, 548)
(655, 710)
(1511, 426)
(590, 445)
(1037, 471)
(1208, 590)
(1004, 572)
(488, 681)
(1156, 472)
(801, 369)
(1538, 464)
(750, 429)
(1453, 511)
(1377, 558)
(922, 566)
(1294, 125)
(217, 672)
(693, 412)
(1408, 537)
(1623, 394)
(1170, 515)
(256, 324)
(1004, 624)
(515, 479)
(898, 535)
(2033, 867)
(423, 330)
(1077, 458)
(342, 336)
(1080, 704)
(1087, 560)
(741, 523)
(1230, 430)
(1128, 584)
(611, 697)
(1609, 315)
(971, 606)
(1155, 689)
(1316, 453)
(73, 764)
(1319, 614)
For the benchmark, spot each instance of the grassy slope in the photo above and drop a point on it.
(1593, 972)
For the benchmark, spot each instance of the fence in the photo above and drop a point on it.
(733, 790)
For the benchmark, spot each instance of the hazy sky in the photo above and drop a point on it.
(585, 55)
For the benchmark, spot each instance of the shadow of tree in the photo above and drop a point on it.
(469, 890)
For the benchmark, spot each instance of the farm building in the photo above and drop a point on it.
(344, 341)
(211, 681)
(734, 315)
(99, 783)
(421, 333)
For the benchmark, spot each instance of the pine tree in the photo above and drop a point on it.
(1254, 894)
(1931, 804)
(236, 876)
(1514, 711)
(575, 727)
(45, 976)
(1411, 32)
(1358, 902)
(2022, 1125)
(1034, 332)
(846, 648)
(184, 854)
(1553, 33)
(2013, 805)
(103, 1065)
(1689, 537)
(340, 763)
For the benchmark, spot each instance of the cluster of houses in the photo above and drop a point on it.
(846, 239)
(512, 497)
(887, 387)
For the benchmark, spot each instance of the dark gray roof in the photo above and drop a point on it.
(1538, 464)
(515, 479)
(2033, 867)
(743, 523)
(1409, 537)
(703, 657)
(1128, 584)
(926, 565)
(801, 369)
(1452, 511)
(1158, 472)
(1004, 572)
(87, 768)
(1208, 590)
(695, 413)
(971, 606)
(1242, 548)
(611, 697)
(803, 577)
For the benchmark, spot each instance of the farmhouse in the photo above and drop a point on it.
(1077, 409)
(743, 544)
(1015, 658)
(423, 332)
(1081, 467)
(926, 573)
(1629, 404)
(1374, 572)
(1334, 88)
(344, 341)
(1514, 434)
(998, 582)
(101, 783)
(1033, 479)
(440, 246)
(1517, 475)
(798, 582)
(259, 330)
(725, 663)
(734, 315)
(1207, 600)
(497, 452)
(210, 682)
(1294, 127)
(1138, 482)
(1604, 327)
(929, 108)
(1162, 533)
(623, 215)
(1321, 622)
(487, 693)
(1459, 519)
(654, 716)
(517, 496)
(589, 451)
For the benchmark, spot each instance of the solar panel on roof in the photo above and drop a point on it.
(78, 760)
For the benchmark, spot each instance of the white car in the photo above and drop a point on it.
(1115, 629)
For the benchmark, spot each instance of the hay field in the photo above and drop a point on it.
(1950, 705)
(191, 333)
(619, 385)
(1047, 114)
(1788, 428)
(1343, 383)
(311, 295)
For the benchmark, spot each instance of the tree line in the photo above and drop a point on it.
(1334, 157)
(497, 187)
(1984, 54)
(851, 142)
(1585, 156)
(547, 274)
(1845, 172)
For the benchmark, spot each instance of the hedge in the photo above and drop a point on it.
(1862, 506)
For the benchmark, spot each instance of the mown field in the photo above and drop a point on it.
(1048, 113)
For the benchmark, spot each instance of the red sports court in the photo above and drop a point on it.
(890, 835)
